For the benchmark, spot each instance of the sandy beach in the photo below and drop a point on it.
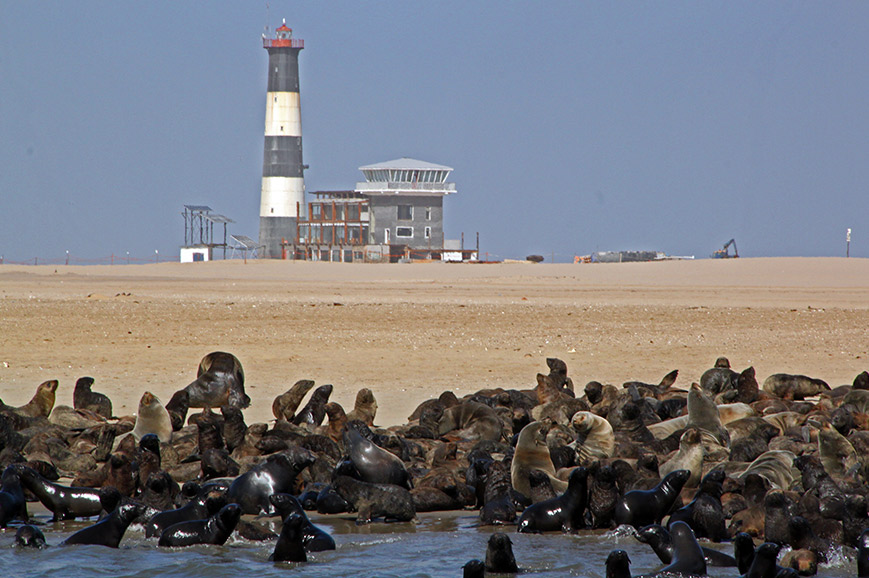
(410, 331)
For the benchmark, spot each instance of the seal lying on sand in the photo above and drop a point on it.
(219, 381)
(475, 421)
(795, 387)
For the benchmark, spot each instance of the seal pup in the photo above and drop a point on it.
(152, 418)
(290, 546)
(595, 438)
(219, 381)
(659, 539)
(474, 569)
(387, 501)
(29, 536)
(285, 405)
(42, 402)
(84, 398)
(109, 530)
(215, 530)
(499, 555)
(793, 387)
(314, 539)
(643, 507)
(566, 513)
(689, 457)
(365, 408)
(374, 464)
(314, 412)
(532, 453)
(277, 474)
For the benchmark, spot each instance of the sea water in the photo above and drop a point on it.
(437, 545)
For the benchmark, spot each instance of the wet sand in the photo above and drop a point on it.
(410, 331)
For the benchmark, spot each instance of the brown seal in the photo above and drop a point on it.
(84, 398)
(285, 405)
(219, 381)
(532, 453)
(42, 402)
(795, 387)
(365, 408)
(475, 421)
(688, 457)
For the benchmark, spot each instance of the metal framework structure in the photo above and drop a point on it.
(243, 243)
(199, 226)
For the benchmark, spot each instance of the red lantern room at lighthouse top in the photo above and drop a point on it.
(283, 38)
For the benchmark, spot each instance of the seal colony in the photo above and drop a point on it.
(782, 465)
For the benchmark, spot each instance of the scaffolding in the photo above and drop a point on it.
(199, 224)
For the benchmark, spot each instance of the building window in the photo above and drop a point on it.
(428, 213)
(405, 212)
(428, 232)
(404, 232)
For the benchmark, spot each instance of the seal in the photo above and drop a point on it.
(661, 543)
(13, 505)
(314, 539)
(153, 418)
(365, 407)
(703, 414)
(499, 555)
(618, 564)
(793, 387)
(290, 546)
(42, 401)
(215, 530)
(688, 457)
(84, 398)
(109, 530)
(474, 569)
(778, 509)
(285, 405)
(775, 466)
(313, 413)
(566, 513)
(863, 555)
(29, 536)
(595, 438)
(391, 502)
(687, 555)
(277, 474)
(65, 502)
(719, 378)
(219, 381)
(532, 453)
(704, 513)
(178, 407)
(475, 421)
(374, 464)
(204, 505)
(602, 497)
(499, 498)
(835, 451)
(644, 507)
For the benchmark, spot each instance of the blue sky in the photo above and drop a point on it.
(572, 127)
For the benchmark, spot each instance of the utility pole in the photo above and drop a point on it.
(848, 244)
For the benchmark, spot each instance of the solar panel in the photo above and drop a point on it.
(217, 218)
(197, 208)
(245, 242)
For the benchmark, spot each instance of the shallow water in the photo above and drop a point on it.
(435, 546)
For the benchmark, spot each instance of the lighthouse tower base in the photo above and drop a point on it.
(274, 230)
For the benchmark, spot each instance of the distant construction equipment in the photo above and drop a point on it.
(723, 253)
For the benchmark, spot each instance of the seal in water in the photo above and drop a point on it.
(499, 555)
(687, 556)
(29, 536)
(276, 474)
(202, 506)
(643, 507)
(153, 418)
(661, 542)
(290, 545)
(313, 538)
(13, 505)
(532, 453)
(219, 381)
(109, 530)
(64, 502)
(374, 464)
(285, 405)
(42, 401)
(215, 530)
(566, 513)
(84, 398)
(618, 565)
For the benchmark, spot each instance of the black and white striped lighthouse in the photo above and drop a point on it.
(283, 189)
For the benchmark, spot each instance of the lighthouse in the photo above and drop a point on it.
(282, 202)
